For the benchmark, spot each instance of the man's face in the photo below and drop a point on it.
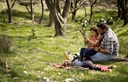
(100, 31)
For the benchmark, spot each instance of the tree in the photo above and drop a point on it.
(28, 4)
(126, 12)
(60, 18)
(32, 10)
(92, 2)
(75, 5)
(9, 10)
(119, 8)
(123, 10)
(51, 20)
(42, 16)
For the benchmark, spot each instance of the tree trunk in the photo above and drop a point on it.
(75, 5)
(9, 10)
(122, 8)
(91, 10)
(91, 13)
(126, 12)
(126, 18)
(60, 23)
(59, 28)
(42, 16)
(51, 20)
(74, 8)
(119, 8)
(59, 19)
(32, 10)
(74, 15)
(85, 13)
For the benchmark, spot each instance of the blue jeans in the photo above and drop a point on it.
(86, 64)
(87, 52)
(102, 57)
(82, 51)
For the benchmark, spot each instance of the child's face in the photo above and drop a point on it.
(93, 33)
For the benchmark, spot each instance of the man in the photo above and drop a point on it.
(109, 45)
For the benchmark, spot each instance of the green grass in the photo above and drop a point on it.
(30, 58)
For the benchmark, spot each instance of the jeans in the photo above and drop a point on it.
(86, 64)
(87, 52)
(102, 57)
(77, 63)
(82, 51)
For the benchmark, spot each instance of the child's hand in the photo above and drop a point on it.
(96, 49)
(86, 39)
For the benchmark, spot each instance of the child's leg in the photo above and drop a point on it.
(90, 53)
(77, 63)
(89, 64)
(97, 67)
(82, 51)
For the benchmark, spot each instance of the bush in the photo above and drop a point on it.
(6, 44)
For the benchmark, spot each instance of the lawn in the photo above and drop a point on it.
(30, 58)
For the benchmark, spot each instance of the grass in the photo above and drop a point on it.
(30, 58)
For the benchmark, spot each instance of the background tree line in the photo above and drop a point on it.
(59, 10)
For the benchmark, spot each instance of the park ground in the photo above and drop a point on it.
(30, 58)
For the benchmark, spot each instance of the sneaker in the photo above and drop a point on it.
(75, 57)
(68, 56)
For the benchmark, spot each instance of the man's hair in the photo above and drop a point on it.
(102, 25)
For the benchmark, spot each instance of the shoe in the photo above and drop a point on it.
(68, 56)
(75, 57)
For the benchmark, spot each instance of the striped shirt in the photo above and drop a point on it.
(110, 42)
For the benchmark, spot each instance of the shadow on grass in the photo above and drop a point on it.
(108, 78)
(21, 14)
(105, 13)
(119, 74)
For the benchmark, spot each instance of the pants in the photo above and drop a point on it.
(87, 52)
(102, 57)
(86, 64)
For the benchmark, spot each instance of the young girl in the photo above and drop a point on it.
(93, 41)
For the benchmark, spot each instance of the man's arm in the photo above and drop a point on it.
(105, 51)
(107, 47)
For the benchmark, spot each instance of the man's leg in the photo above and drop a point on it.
(101, 57)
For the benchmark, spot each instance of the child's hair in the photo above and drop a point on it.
(94, 29)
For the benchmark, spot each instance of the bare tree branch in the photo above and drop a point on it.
(13, 4)
(25, 6)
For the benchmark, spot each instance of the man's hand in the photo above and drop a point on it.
(105, 51)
